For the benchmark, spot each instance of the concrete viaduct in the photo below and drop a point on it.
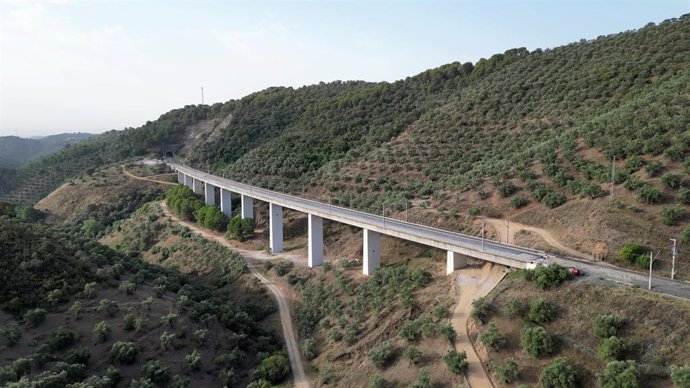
(458, 246)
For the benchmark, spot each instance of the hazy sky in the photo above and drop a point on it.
(91, 66)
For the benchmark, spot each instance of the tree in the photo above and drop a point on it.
(274, 368)
(492, 337)
(456, 361)
(680, 376)
(241, 229)
(541, 311)
(671, 215)
(558, 374)
(612, 349)
(514, 308)
(536, 341)
(620, 374)
(156, 371)
(413, 354)
(508, 372)
(480, 310)
(101, 331)
(35, 317)
(381, 354)
(672, 180)
(423, 380)
(606, 326)
(124, 352)
(649, 195)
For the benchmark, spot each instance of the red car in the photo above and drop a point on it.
(575, 272)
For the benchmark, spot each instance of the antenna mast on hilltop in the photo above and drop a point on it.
(202, 95)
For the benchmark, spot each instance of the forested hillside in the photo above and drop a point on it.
(16, 151)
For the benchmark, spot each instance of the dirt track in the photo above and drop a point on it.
(148, 179)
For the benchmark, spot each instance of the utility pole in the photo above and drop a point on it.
(674, 252)
(482, 235)
(507, 231)
(613, 176)
(330, 207)
(651, 262)
(383, 213)
(405, 211)
(350, 201)
(202, 95)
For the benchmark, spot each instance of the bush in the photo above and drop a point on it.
(101, 331)
(685, 234)
(518, 201)
(541, 311)
(492, 337)
(653, 168)
(127, 287)
(35, 317)
(441, 312)
(409, 330)
(241, 229)
(108, 307)
(456, 361)
(156, 372)
(167, 340)
(11, 333)
(448, 332)
(413, 354)
(309, 349)
(649, 195)
(79, 355)
(515, 308)
(381, 354)
(558, 374)
(378, 382)
(423, 380)
(606, 326)
(611, 349)
(480, 310)
(634, 253)
(680, 376)
(274, 368)
(282, 267)
(547, 276)
(508, 372)
(620, 374)
(128, 322)
(62, 338)
(124, 352)
(193, 360)
(683, 196)
(76, 309)
(506, 188)
(671, 215)
(536, 341)
(553, 199)
(672, 180)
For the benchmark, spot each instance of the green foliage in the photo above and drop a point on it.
(211, 217)
(282, 267)
(448, 332)
(492, 338)
(76, 309)
(480, 310)
(606, 326)
(506, 188)
(515, 308)
(508, 372)
(241, 229)
(672, 180)
(541, 311)
(378, 382)
(274, 368)
(649, 195)
(79, 355)
(553, 199)
(680, 376)
(611, 349)
(423, 380)
(309, 349)
(413, 354)
(167, 340)
(559, 374)
(193, 360)
(634, 254)
(685, 234)
(124, 352)
(536, 341)
(108, 307)
(653, 168)
(101, 331)
(518, 201)
(671, 215)
(456, 361)
(381, 354)
(683, 196)
(35, 317)
(61, 338)
(156, 372)
(547, 276)
(620, 374)
(182, 200)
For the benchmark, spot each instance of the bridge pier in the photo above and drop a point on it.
(189, 181)
(198, 187)
(315, 242)
(180, 178)
(372, 251)
(276, 228)
(226, 202)
(210, 194)
(454, 261)
(247, 206)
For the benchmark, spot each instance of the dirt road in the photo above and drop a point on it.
(148, 179)
(473, 282)
(300, 379)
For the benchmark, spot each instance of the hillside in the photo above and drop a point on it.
(16, 151)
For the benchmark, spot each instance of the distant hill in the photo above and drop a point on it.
(17, 151)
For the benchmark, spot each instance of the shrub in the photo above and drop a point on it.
(653, 168)
(282, 267)
(62, 338)
(683, 196)
(167, 340)
(193, 360)
(558, 374)
(156, 372)
(142, 383)
(672, 180)
(381, 354)
(124, 352)
(553, 199)
(606, 326)
(634, 253)
(633, 183)
(423, 380)
(274, 368)
(127, 287)
(649, 195)
(413, 354)
(480, 310)
(620, 374)
(680, 376)
(552, 275)
(409, 330)
(128, 322)
(79, 355)
(101, 331)
(508, 372)
(448, 332)
(169, 319)
(671, 215)
(518, 201)
(378, 382)
(11, 333)
(309, 349)
(611, 349)
(541, 311)
(456, 361)
(492, 337)
(89, 290)
(441, 312)
(108, 307)
(685, 234)
(76, 309)
(515, 308)
(536, 341)
(506, 188)
(241, 229)
(35, 317)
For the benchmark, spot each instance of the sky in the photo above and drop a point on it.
(92, 66)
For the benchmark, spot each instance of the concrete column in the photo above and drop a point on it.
(180, 178)
(315, 242)
(226, 202)
(198, 187)
(455, 261)
(189, 181)
(276, 228)
(247, 206)
(210, 194)
(372, 251)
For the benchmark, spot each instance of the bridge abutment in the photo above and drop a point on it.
(371, 251)
(315, 240)
(454, 261)
(276, 228)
